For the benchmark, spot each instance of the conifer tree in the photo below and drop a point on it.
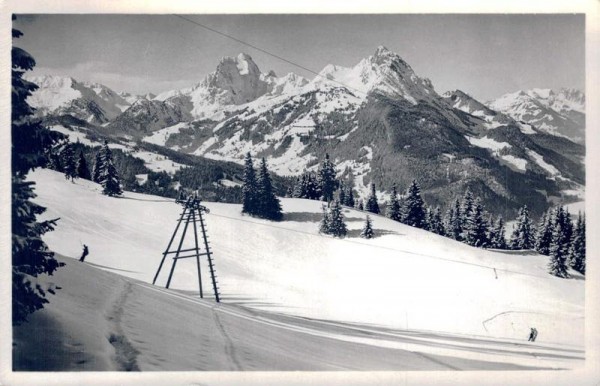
(249, 187)
(394, 212)
(367, 231)
(360, 205)
(297, 191)
(313, 191)
(70, 167)
(454, 221)
(97, 170)
(268, 205)
(324, 224)
(577, 250)
(109, 177)
(342, 195)
(466, 208)
(54, 162)
(475, 226)
(327, 181)
(544, 234)
(82, 168)
(498, 239)
(372, 205)
(30, 143)
(558, 250)
(337, 226)
(436, 225)
(523, 234)
(350, 197)
(415, 207)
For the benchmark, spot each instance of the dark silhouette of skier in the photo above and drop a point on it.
(85, 253)
(532, 335)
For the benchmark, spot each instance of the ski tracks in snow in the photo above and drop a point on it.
(230, 352)
(125, 354)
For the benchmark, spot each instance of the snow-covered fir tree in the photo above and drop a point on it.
(394, 211)
(30, 142)
(249, 187)
(69, 164)
(476, 227)
(523, 236)
(559, 249)
(454, 221)
(326, 179)
(498, 235)
(577, 249)
(372, 205)
(466, 209)
(337, 225)
(109, 177)
(82, 168)
(268, 205)
(436, 224)
(544, 233)
(367, 230)
(415, 207)
(324, 224)
(97, 169)
(313, 190)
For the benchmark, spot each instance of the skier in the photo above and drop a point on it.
(532, 335)
(535, 332)
(85, 253)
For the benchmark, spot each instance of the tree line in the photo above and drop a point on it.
(466, 219)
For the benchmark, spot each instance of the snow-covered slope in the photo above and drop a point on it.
(404, 278)
(558, 112)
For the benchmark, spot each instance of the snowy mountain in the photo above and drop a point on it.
(235, 82)
(558, 112)
(90, 102)
(379, 121)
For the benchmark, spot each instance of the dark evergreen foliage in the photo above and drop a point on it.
(372, 205)
(367, 231)
(31, 142)
(498, 235)
(350, 197)
(324, 224)
(326, 180)
(523, 236)
(394, 211)
(476, 230)
(544, 233)
(249, 188)
(577, 250)
(268, 204)
(82, 168)
(436, 224)
(333, 222)
(415, 207)
(109, 177)
(559, 248)
(69, 164)
(97, 167)
(454, 221)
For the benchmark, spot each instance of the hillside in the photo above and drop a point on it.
(404, 278)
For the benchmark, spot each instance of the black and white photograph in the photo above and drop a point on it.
(242, 193)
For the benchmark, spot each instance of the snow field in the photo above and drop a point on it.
(403, 278)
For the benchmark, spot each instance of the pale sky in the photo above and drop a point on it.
(483, 55)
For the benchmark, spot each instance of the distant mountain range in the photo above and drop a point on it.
(378, 120)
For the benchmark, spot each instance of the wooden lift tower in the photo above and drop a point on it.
(191, 216)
